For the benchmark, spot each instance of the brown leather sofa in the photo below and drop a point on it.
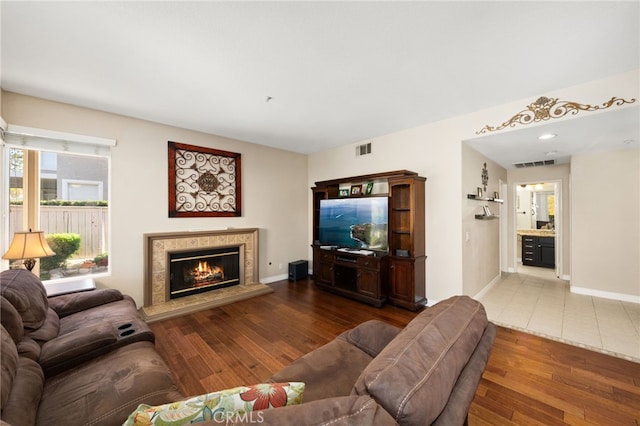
(83, 358)
(374, 374)
(378, 374)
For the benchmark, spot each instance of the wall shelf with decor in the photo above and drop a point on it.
(475, 197)
(486, 212)
(486, 216)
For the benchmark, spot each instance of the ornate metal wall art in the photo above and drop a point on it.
(545, 108)
(203, 182)
(485, 177)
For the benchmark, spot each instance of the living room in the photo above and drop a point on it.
(462, 254)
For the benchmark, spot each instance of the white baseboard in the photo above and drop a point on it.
(273, 279)
(488, 287)
(605, 294)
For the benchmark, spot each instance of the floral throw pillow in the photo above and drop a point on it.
(222, 406)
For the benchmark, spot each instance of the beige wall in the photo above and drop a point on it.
(278, 200)
(605, 221)
(435, 152)
(274, 191)
(480, 238)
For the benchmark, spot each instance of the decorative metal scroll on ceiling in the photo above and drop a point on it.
(545, 108)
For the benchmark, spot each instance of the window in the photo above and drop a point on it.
(63, 192)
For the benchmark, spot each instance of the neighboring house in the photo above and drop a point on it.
(66, 177)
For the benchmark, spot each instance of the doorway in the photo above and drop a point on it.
(537, 211)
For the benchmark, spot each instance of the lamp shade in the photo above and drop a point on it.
(28, 245)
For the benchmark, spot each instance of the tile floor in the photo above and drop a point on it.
(535, 301)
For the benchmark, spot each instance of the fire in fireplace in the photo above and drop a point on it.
(203, 270)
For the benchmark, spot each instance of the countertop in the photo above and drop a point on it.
(537, 232)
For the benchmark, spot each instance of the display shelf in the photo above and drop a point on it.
(486, 217)
(475, 197)
(396, 275)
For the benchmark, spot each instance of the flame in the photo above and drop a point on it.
(205, 272)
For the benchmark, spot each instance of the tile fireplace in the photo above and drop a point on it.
(204, 279)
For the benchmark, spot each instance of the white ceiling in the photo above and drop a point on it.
(337, 72)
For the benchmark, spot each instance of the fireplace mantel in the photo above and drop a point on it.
(157, 304)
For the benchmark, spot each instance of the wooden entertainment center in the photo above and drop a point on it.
(375, 277)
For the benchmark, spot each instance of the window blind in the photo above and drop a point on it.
(49, 140)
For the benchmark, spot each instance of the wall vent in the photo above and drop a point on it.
(363, 149)
(535, 163)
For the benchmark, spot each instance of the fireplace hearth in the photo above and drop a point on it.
(217, 286)
(199, 271)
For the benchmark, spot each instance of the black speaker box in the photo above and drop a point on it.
(298, 270)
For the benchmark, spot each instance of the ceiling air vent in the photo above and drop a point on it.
(363, 149)
(535, 163)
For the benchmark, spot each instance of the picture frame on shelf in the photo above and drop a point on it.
(344, 192)
(368, 189)
(487, 212)
(496, 195)
(356, 190)
(479, 192)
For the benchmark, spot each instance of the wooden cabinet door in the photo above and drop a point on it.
(323, 266)
(546, 252)
(401, 280)
(368, 282)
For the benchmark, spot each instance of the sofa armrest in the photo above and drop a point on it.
(74, 347)
(68, 304)
(353, 410)
(457, 408)
(372, 336)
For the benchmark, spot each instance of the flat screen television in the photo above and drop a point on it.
(359, 223)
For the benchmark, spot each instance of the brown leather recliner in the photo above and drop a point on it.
(378, 374)
(98, 356)
(63, 331)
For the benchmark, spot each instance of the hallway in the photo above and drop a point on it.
(535, 301)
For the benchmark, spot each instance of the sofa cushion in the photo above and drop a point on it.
(20, 408)
(68, 304)
(9, 365)
(117, 313)
(29, 348)
(414, 374)
(11, 320)
(48, 330)
(372, 336)
(108, 388)
(331, 370)
(21, 385)
(26, 293)
(219, 406)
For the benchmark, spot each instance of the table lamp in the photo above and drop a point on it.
(28, 245)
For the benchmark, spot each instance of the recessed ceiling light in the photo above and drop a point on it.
(547, 136)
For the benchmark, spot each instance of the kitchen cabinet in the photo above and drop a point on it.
(538, 251)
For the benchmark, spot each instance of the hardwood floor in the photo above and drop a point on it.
(528, 380)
